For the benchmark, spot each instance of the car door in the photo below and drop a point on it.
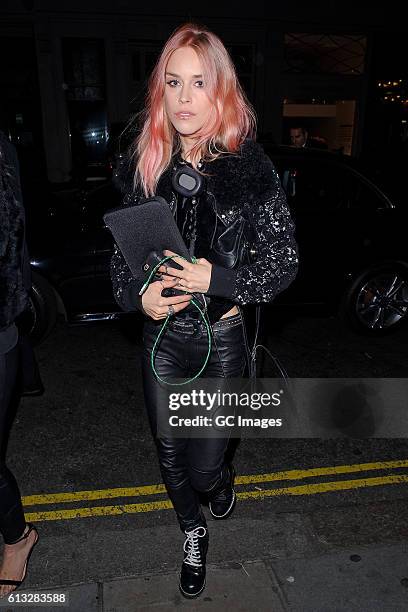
(62, 243)
(318, 195)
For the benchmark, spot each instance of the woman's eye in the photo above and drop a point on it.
(199, 83)
(172, 83)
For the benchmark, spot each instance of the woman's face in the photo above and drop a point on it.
(186, 102)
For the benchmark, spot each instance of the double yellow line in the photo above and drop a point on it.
(246, 481)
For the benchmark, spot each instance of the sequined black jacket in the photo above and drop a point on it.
(235, 184)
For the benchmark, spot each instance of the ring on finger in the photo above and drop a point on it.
(170, 311)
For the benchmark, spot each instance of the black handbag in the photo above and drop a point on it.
(235, 245)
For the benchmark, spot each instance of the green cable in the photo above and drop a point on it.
(157, 266)
(164, 326)
(152, 356)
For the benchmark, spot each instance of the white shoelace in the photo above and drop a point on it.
(191, 547)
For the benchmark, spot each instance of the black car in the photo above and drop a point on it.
(352, 247)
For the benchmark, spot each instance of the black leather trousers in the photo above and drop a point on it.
(194, 465)
(12, 522)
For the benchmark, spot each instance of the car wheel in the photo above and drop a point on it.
(377, 301)
(41, 315)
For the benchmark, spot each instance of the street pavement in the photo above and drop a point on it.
(320, 525)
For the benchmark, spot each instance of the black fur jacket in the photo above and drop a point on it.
(14, 276)
(243, 184)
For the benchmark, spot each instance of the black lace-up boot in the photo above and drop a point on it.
(192, 575)
(222, 502)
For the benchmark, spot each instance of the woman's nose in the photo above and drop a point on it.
(185, 95)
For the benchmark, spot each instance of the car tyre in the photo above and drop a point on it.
(376, 303)
(41, 315)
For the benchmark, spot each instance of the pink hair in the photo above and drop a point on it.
(231, 121)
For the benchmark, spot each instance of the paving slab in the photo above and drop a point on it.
(360, 579)
(76, 552)
(355, 579)
(242, 587)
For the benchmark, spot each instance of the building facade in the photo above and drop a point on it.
(79, 70)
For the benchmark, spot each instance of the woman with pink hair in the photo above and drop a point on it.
(240, 236)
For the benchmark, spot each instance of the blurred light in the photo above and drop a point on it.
(92, 133)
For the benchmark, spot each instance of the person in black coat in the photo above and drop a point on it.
(19, 537)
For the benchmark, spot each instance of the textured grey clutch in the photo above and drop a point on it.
(139, 230)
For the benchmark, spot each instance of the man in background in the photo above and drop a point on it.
(299, 138)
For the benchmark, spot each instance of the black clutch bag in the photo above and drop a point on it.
(142, 230)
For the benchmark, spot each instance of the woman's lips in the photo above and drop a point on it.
(184, 115)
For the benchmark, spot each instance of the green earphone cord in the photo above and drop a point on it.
(163, 327)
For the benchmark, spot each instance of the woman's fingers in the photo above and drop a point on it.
(176, 299)
(162, 312)
(171, 272)
(166, 282)
(166, 268)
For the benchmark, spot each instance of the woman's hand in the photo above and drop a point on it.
(156, 306)
(194, 278)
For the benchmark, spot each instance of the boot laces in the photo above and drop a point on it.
(191, 546)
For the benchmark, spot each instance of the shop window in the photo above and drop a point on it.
(84, 68)
(328, 121)
(84, 78)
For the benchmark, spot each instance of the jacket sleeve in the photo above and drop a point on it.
(276, 261)
(125, 287)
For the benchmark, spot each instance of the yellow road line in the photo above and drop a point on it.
(325, 487)
(57, 498)
(309, 489)
(323, 471)
(57, 515)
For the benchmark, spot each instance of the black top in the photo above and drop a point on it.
(187, 214)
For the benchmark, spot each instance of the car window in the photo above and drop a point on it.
(318, 185)
(312, 185)
(361, 194)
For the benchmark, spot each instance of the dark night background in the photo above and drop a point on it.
(73, 74)
(326, 529)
